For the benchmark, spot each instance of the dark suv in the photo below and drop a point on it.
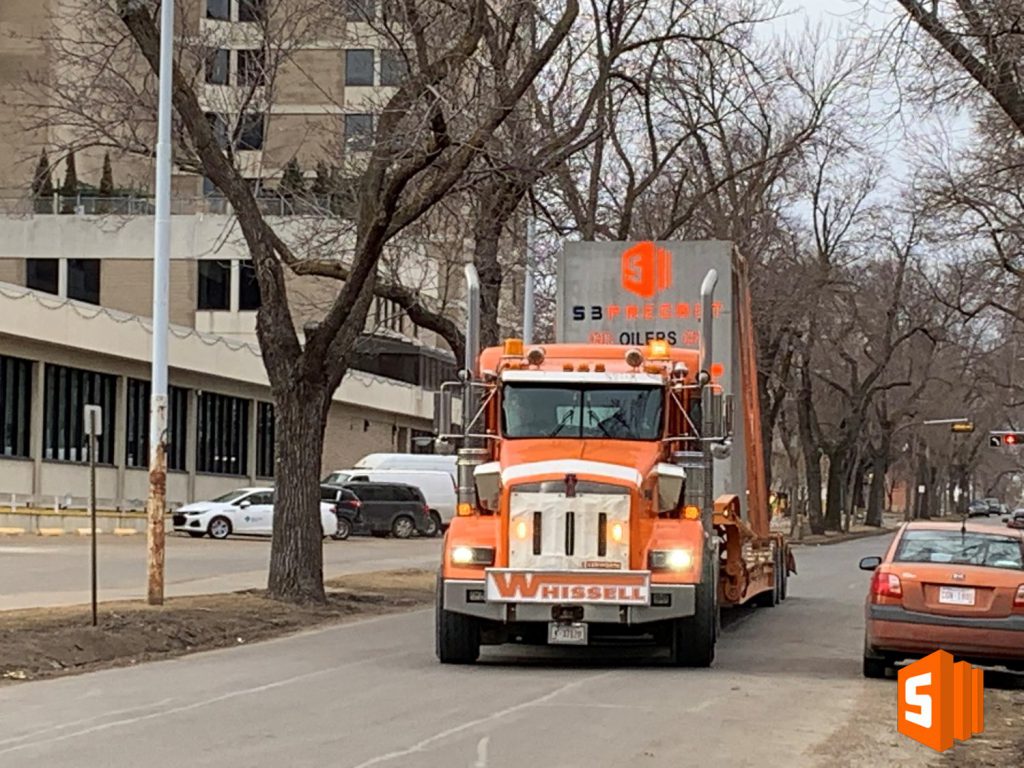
(379, 509)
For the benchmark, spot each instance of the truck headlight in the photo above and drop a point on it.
(463, 555)
(670, 559)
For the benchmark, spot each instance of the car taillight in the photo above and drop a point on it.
(886, 585)
(1018, 601)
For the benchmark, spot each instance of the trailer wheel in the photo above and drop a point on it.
(693, 637)
(457, 635)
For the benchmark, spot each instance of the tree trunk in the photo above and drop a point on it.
(296, 551)
(876, 493)
(812, 466)
(834, 495)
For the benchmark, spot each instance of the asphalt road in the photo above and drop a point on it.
(47, 572)
(786, 691)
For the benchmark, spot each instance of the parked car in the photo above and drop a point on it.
(346, 506)
(1016, 520)
(248, 511)
(438, 488)
(995, 506)
(417, 461)
(958, 587)
(384, 508)
(978, 508)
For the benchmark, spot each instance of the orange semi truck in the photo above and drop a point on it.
(586, 471)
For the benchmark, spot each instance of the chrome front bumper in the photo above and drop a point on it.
(467, 597)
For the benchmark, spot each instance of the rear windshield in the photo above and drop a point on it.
(984, 549)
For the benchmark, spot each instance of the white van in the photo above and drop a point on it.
(438, 487)
(418, 461)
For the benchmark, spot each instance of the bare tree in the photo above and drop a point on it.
(421, 148)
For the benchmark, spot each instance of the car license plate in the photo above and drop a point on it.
(956, 595)
(567, 634)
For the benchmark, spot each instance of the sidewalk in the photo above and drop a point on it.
(890, 522)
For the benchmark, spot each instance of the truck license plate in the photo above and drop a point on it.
(567, 634)
(956, 595)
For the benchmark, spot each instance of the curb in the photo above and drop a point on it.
(87, 531)
(842, 538)
(50, 532)
(11, 531)
(124, 531)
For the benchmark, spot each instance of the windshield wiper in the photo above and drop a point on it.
(600, 424)
(562, 424)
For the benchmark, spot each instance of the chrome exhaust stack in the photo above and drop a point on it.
(472, 453)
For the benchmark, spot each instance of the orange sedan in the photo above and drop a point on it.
(958, 587)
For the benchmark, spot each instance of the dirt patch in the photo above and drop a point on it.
(1002, 743)
(48, 642)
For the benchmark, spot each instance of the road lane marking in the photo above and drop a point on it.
(481, 752)
(84, 720)
(422, 745)
(203, 702)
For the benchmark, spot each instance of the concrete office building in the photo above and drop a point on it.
(76, 290)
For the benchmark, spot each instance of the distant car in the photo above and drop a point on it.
(437, 487)
(978, 509)
(1016, 520)
(380, 509)
(347, 507)
(247, 511)
(943, 586)
(995, 506)
(416, 461)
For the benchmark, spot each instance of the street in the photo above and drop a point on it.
(786, 679)
(40, 572)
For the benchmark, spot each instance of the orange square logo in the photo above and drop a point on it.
(939, 701)
(646, 269)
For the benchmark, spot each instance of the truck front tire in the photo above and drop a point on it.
(693, 637)
(457, 635)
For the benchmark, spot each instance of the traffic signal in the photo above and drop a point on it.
(1000, 439)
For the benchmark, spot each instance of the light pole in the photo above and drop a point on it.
(156, 505)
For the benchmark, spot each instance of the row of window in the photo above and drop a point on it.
(248, 133)
(247, 67)
(215, 284)
(222, 426)
(236, 10)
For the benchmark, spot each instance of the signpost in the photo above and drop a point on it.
(93, 429)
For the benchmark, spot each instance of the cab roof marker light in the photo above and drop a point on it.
(535, 356)
(634, 358)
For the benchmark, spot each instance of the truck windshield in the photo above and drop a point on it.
(544, 410)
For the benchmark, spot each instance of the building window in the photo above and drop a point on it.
(359, 67)
(252, 67)
(358, 132)
(388, 314)
(84, 280)
(250, 134)
(15, 406)
(393, 69)
(218, 9)
(422, 442)
(248, 287)
(43, 275)
(219, 126)
(214, 284)
(218, 66)
(222, 435)
(66, 393)
(359, 10)
(252, 10)
(264, 439)
(137, 433)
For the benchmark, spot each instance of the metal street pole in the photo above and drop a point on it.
(156, 506)
(528, 281)
(93, 426)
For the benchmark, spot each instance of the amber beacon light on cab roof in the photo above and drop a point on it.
(604, 494)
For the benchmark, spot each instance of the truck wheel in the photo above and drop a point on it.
(693, 637)
(457, 636)
(784, 575)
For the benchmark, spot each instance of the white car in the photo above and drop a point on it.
(247, 511)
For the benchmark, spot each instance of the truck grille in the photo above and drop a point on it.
(549, 529)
